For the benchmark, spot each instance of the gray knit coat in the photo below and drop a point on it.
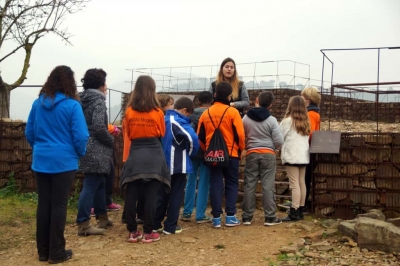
(99, 149)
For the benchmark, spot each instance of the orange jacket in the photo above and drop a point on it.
(141, 125)
(231, 128)
(315, 120)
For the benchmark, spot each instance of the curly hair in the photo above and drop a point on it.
(61, 79)
(143, 97)
(94, 78)
(298, 112)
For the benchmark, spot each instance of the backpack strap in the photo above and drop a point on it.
(208, 110)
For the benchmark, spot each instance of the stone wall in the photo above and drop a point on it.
(16, 157)
(365, 175)
(337, 107)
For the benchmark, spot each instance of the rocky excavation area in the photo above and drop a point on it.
(308, 242)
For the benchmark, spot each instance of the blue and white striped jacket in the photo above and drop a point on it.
(179, 142)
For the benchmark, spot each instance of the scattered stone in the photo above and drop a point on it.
(330, 224)
(311, 255)
(307, 226)
(325, 248)
(395, 221)
(300, 242)
(289, 249)
(320, 244)
(373, 214)
(348, 229)
(316, 234)
(351, 243)
(378, 235)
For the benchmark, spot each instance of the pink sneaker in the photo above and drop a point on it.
(135, 236)
(92, 212)
(113, 207)
(148, 238)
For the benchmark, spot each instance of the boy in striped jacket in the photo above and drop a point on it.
(180, 142)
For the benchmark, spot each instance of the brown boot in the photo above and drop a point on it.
(86, 229)
(104, 221)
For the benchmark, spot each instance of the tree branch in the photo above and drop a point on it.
(21, 79)
(16, 49)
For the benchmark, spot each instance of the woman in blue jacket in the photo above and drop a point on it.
(57, 131)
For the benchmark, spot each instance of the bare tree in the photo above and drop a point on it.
(24, 22)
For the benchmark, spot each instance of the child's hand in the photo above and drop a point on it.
(116, 131)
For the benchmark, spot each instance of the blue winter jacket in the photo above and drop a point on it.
(57, 131)
(179, 142)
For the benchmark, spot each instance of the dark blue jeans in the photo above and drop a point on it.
(110, 185)
(92, 195)
(53, 191)
(170, 203)
(231, 176)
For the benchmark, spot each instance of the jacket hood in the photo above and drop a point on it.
(176, 113)
(313, 107)
(90, 96)
(49, 103)
(258, 114)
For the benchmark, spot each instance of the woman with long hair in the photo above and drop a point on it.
(145, 169)
(227, 72)
(295, 155)
(97, 163)
(57, 131)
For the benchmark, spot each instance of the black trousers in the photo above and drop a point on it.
(133, 190)
(308, 178)
(53, 191)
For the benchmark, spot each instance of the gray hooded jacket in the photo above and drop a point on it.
(262, 130)
(99, 149)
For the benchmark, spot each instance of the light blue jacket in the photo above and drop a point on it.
(57, 131)
(180, 142)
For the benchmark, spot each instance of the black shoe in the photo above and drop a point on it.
(43, 258)
(246, 221)
(306, 210)
(293, 216)
(68, 255)
(272, 221)
(301, 213)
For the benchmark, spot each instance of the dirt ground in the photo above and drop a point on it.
(198, 244)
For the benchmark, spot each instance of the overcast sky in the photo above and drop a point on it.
(123, 34)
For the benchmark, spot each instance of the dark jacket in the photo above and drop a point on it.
(194, 118)
(99, 150)
(146, 162)
(242, 102)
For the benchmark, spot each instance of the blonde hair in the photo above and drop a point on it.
(234, 80)
(312, 94)
(298, 112)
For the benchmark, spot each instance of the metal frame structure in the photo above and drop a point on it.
(356, 86)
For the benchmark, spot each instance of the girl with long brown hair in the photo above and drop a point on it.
(227, 72)
(295, 156)
(145, 169)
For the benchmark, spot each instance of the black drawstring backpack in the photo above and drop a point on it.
(216, 155)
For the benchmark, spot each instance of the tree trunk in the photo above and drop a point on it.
(5, 91)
